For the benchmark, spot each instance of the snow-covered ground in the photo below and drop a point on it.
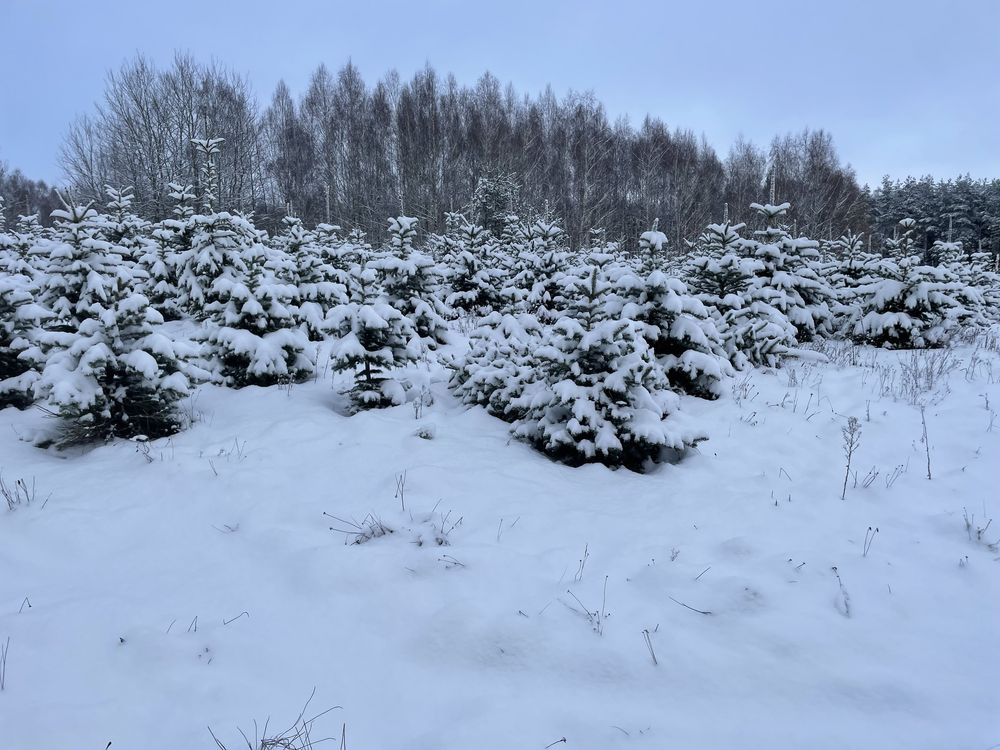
(212, 584)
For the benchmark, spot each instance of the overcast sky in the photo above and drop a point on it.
(905, 87)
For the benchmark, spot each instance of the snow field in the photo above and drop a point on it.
(203, 585)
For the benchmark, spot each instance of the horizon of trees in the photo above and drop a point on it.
(349, 153)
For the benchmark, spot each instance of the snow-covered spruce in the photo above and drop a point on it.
(253, 337)
(115, 375)
(14, 249)
(320, 286)
(545, 261)
(916, 307)
(853, 277)
(598, 395)
(497, 367)
(652, 249)
(473, 285)
(219, 246)
(20, 320)
(158, 262)
(682, 335)
(167, 247)
(122, 227)
(410, 281)
(720, 272)
(375, 340)
(27, 233)
(788, 279)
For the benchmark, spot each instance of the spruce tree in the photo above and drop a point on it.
(682, 335)
(76, 264)
(498, 366)
(410, 282)
(915, 306)
(374, 340)
(600, 395)
(474, 285)
(123, 228)
(20, 321)
(652, 249)
(721, 271)
(253, 336)
(320, 286)
(220, 244)
(788, 279)
(547, 253)
(208, 150)
(113, 374)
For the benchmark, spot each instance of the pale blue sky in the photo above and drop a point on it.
(905, 87)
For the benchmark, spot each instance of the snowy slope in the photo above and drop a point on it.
(133, 568)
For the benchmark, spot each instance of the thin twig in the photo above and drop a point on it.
(649, 645)
(699, 611)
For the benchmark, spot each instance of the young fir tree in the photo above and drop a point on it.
(76, 264)
(493, 200)
(374, 340)
(123, 228)
(114, 374)
(321, 287)
(983, 275)
(344, 254)
(28, 231)
(253, 336)
(855, 271)
(902, 248)
(914, 306)
(410, 281)
(170, 243)
(682, 335)
(474, 285)
(652, 252)
(176, 231)
(208, 150)
(9, 255)
(20, 320)
(600, 395)
(788, 280)
(498, 366)
(220, 246)
(549, 257)
(720, 271)
(518, 266)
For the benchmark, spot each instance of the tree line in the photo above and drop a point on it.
(350, 153)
